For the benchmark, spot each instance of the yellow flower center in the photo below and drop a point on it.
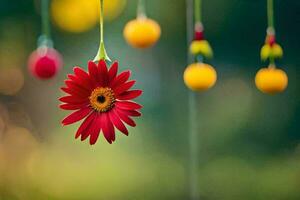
(102, 99)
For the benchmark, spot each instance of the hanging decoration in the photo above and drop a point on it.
(199, 76)
(101, 96)
(271, 80)
(78, 16)
(45, 61)
(142, 32)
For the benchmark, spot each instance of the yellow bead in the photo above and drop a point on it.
(199, 76)
(265, 52)
(271, 80)
(276, 51)
(201, 47)
(75, 15)
(142, 32)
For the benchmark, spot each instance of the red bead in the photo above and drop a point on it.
(199, 35)
(44, 63)
(271, 40)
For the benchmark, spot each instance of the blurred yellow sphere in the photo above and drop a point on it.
(142, 32)
(200, 76)
(271, 80)
(75, 15)
(113, 8)
(78, 16)
(11, 80)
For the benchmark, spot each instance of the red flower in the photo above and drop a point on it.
(101, 97)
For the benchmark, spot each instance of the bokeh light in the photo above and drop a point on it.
(78, 16)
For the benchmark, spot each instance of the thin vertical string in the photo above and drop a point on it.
(101, 52)
(197, 11)
(141, 9)
(270, 11)
(101, 21)
(45, 18)
(192, 105)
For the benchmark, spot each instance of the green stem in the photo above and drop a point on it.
(45, 38)
(197, 11)
(101, 51)
(45, 18)
(270, 10)
(141, 9)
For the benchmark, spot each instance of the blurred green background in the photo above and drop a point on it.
(248, 141)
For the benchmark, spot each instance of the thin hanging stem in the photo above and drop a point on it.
(141, 9)
(101, 21)
(45, 18)
(192, 105)
(197, 11)
(101, 51)
(270, 11)
(45, 38)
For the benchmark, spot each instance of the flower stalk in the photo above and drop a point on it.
(101, 55)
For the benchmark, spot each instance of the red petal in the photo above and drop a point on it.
(95, 129)
(76, 116)
(120, 79)
(130, 94)
(128, 105)
(84, 127)
(112, 73)
(108, 128)
(103, 73)
(77, 88)
(124, 87)
(125, 118)
(74, 92)
(84, 77)
(132, 113)
(73, 100)
(117, 122)
(93, 72)
(72, 106)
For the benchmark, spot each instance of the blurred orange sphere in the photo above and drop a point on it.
(271, 80)
(200, 76)
(142, 32)
(11, 80)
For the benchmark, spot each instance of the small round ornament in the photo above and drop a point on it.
(142, 32)
(44, 63)
(200, 76)
(271, 80)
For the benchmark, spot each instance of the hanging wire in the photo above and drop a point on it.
(141, 9)
(101, 21)
(45, 39)
(101, 52)
(45, 18)
(192, 105)
(270, 11)
(197, 11)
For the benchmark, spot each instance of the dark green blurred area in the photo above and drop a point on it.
(248, 141)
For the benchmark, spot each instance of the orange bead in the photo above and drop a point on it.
(200, 76)
(271, 80)
(142, 32)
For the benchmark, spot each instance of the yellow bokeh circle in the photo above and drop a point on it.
(78, 16)
(200, 76)
(271, 80)
(142, 32)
